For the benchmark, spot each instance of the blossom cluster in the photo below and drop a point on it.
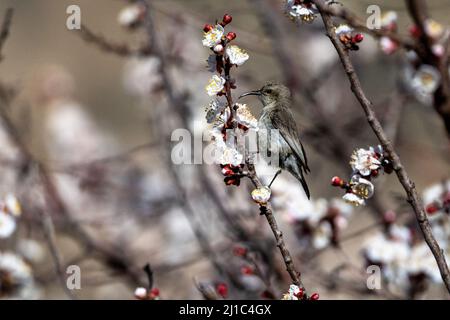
(227, 120)
(142, 293)
(297, 293)
(406, 261)
(16, 278)
(132, 15)
(10, 210)
(318, 223)
(420, 78)
(348, 37)
(301, 10)
(367, 164)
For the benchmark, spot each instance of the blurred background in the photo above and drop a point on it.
(87, 156)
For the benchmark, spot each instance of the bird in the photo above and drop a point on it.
(278, 132)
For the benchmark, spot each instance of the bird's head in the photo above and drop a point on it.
(270, 93)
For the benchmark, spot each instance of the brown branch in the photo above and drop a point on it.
(351, 19)
(4, 31)
(266, 210)
(403, 177)
(106, 45)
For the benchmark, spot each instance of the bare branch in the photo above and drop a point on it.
(403, 177)
(4, 31)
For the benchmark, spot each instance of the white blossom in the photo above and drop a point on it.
(13, 205)
(294, 290)
(131, 15)
(305, 13)
(353, 199)
(364, 161)
(141, 293)
(7, 225)
(20, 283)
(426, 80)
(433, 28)
(213, 36)
(215, 85)
(261, 195)
(388, 46)
(236, 55)
(343, 29)
(361, 187)
(245, 117)
(322, 235)
(229, 155)
(388, 18)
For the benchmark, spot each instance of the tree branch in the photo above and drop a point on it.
(403, 177)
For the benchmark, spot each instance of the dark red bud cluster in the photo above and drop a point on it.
(225, 21)
(300, 294)
(231, 174)
(351, 41)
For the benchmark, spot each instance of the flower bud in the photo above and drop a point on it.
(314, 296)
(431, 208)
(358, 37)
(246, 270)
(389, 217)
(222, 289)
(231, 36)
(207, 27)
(414, 31)
(227, 19)
(300, 293)
(239, 251)
(336, 181)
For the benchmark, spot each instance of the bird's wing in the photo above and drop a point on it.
(289, 132)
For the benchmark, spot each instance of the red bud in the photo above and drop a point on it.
(431, 208)
(414, 31)
(314, 296)
(336, 181)
(207, 27)
(240, 251)
(247, 270)
(227, 19)
(231, 36)
(358, 37)
(222, 289)
(300, 294)
(154, 293)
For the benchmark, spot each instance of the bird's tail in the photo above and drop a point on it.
(298, 174)
(304, 184)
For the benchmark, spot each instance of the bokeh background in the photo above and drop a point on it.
(77, 107)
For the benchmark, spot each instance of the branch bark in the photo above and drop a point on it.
(403, 177)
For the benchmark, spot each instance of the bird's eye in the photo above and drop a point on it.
(269, 91)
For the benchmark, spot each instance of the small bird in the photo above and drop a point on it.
(284, 140)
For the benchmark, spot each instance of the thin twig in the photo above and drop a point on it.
(4, 31)
(403, 177)
(106, 45)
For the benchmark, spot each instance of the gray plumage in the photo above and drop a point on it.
(284, 141)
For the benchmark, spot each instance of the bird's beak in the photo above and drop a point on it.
(251, 93)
